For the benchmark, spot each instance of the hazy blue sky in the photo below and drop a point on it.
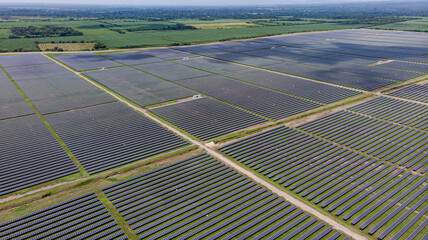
(184, 2)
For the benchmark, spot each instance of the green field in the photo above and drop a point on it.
(147, 33)
(412, 25)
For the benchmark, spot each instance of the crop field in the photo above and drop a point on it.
(415, 92)
(82, 217)
(206, 118)
(223, 25)
(201, 198)
(139, 87)
(51, 88)
(147, 33)
(110, 135)
(31, 155)
(66, 46)
(379, 198)
(398, 144)
(411, 25)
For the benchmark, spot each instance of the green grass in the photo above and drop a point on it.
(4, 33)
(116, 215)
(197, 21)
(411, 25)
(36, 201)
(92, 31)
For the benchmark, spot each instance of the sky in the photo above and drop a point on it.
(185, 2)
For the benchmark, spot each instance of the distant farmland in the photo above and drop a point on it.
(66, 46)
(139, 33)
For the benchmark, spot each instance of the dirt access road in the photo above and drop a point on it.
(230, 163)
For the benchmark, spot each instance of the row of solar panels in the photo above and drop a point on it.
(357, 188)
(196, 198)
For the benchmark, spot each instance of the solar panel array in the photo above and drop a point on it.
(167, 54)
(255, 99)
(326, 75)
(350, 58)
(239, 46)
(417, 67)
(408, 47)
(378, 197)
(414, 92)
(131, 58)
(318, 60)
(139, 87)
(207, 118)
(30, 155)
(52, 88)
(277, 54)
(299, 87)
(12, 103)
(201, 50)
(23, 60)
(200, 198)
(111, 135)
(83, 217)
(398, 144)
(394, 110)
(378, 72)
(247, 59)
(85, 61)
(171, 71)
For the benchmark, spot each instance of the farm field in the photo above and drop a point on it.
(222, 25)
(301, 136)
(141, 33)
(66, 46)
(419, 24)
